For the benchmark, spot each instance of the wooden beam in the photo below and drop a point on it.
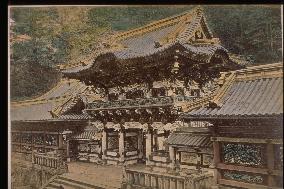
(242, 184)
(216, 161)
(247, 140)
(242, 168)
(270, 164)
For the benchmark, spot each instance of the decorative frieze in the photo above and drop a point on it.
(243, 154)
(136, 103)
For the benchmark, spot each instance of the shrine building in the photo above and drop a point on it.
(122, 105)
(246, 117)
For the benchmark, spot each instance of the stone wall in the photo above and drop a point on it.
(25, 175)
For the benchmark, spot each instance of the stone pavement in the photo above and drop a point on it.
(108, 176)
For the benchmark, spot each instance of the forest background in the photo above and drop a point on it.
(43, 37)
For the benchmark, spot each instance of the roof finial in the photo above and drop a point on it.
(199, 9)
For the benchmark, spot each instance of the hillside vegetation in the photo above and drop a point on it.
(62, 34)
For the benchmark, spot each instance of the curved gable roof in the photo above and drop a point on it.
(153, 38)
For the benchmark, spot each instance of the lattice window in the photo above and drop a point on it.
(95, 148)
(83, 147)
(244, 154)
(244, 177)
(112, 142)
(38, 139)
(16, 137)
(278, 150)
(51, 140)
(27, 138)
(130, 143)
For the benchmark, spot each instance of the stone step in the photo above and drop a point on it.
(56, 186)
(52, 185)
(93, 186)
(70, 184)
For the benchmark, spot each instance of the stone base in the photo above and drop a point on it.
(130, 162)
(214, 187)
(112, 162)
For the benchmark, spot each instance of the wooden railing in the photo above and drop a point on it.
(145, 179)
(55, 162)
(136, 179)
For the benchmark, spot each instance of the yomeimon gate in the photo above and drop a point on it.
(120, 105)
(145, 76)
(247, 118)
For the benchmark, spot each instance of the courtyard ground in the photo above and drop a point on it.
(108, 176)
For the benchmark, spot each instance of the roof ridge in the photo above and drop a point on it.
(38, 101)
(155, 24)
(260, 72)
(266, 67)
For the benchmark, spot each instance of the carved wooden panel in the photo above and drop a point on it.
(112, 142)
(189, 158)
(51, 140)
(83, 147)
(244, 177)
(244, 154)
(207, 159)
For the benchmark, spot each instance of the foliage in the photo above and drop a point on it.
(62, 34)
(31, 80)
(248, 30)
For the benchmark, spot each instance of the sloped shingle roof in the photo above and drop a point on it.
(189, 139)
(39, 109)
(260, 95)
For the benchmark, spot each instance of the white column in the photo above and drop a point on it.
(140, 145)
(104, 144)
(67, 151)
(216, 161)
(148, 144)
(172, 156)
(161, 140)
(270, 164)
(121, 146)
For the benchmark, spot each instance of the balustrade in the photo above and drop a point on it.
(47, 161)
(153, 180)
